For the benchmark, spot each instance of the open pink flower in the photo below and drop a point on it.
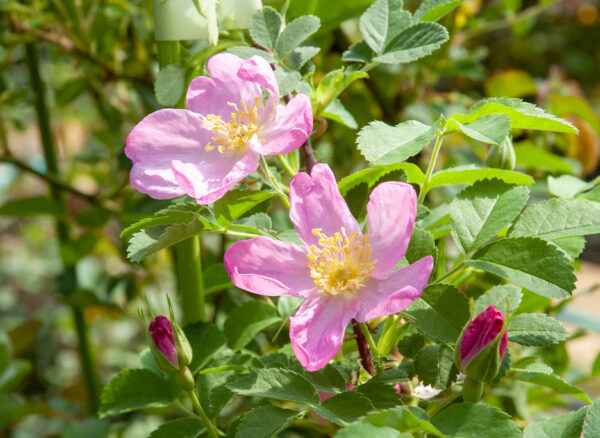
(205, 150)
(340, 272)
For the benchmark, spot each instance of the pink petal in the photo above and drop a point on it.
(396, 293)
(480, 332)
(163, 136)
(209, 178)
(317, 329)
(269, 267)
(211, 95)
(161, 331)
(288, 129)
(258, 70)
(391, 212)
(316, 203)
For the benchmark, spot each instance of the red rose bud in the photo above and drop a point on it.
(163, 346)
(482, 346)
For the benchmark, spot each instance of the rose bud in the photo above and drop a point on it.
(170, 348)
(481, 348)
(502, 156)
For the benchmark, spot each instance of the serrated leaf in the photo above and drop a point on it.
(470, 173)
(493, 128)
(545, 377)
(362, 430)
(344, 408)
(381, 143)
(327, 379)
(528, 262)
(134, 389)
(265, 27)
(536, 329)
(382, 22)
(279, 384)
(403, 419)
(414, 43)
(30, 206)
(236, 203)
(206, 340)
(182, 213)
(567, 425)
(246, 321)
(434, 366)
(265, 422)
(301, 55)
(287, 80)
(475, 421)
(558, 218)
(245, 52)
(421, 245)
(441, 312)
(169, 85)
(358, 52)
(497, 296)
(153, 239)
(380, 395)
(482, 210)
(404, 372)
(376, 174)
(336, 111)
(591, 425)
(522, 115)
(434, 10)
(189, 427)
(330, 87)
(295, 33)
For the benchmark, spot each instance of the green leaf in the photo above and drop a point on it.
(567, 425)
(434, 365)
(362, 430)
(265, 27)
(287, 80)
(380, 395)
(434, 10)
(491, 129)
(279, 384)
(543, 376)
(421, 245)
(414, 43)
(206, 340)
(335, 111)
(181, 213)
(153, 239)
(327, 379)
(265, 422)
(169, 85)
(528, 262)
(359, 52)
(5, 350)
(591, 425)
(245, 52)
(330, 87)
(13, 375)
(536, 329)
(522, 115)
(530, 157)
(189, 427)
(344, 408)
(467, 420)
(246, 321)
(135, 389)
(382, 22)
(295, 33)
(471, 173)
(30, 206)
(498, 295)
(410, 345)
(236, 203)
(484, 209)
(215, 278)
(403, 373)
(403, 419)
(381, 143)
(558, 218)
(377, 174)
(569, 186)
(301, 55)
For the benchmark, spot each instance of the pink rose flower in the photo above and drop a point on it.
(161, 331)
(205, 150)
(340, 272)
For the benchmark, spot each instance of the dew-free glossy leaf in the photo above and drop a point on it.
(468, 420)
(279, 384)
(265, 422)
(536, 329)
(434, 10)
(246, 321)
(382, 22)
(266, 27)
(414, 43)
(295, 33)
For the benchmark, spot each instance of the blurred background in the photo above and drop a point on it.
(77, 75)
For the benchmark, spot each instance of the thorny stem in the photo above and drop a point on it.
(363, 348)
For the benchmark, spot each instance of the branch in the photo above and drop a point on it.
(363, 348)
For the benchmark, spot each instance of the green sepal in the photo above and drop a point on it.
(502, 156)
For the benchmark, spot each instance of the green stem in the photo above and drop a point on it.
(168, 53)
(472, 390)
(436, 151)
(188, 271)
(263, 170)
(212, 430)
(391, 336)
(450, 273)
(286, 165)
(223, 368)
(365, 329)
(88, 371)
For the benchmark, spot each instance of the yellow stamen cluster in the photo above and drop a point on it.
(234, 134)
(340, 263)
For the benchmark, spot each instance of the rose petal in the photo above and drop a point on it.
(210, 178)
(480, 332)
(396, 293)
(391, 213)
(270, 267)
(258, 70)
(163, 136)
(316, 203)
(317, 329)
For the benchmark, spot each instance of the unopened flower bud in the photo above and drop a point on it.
(170, 348)
(502, 156)
(482, 346)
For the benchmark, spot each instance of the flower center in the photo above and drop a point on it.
(340, 263)
(234, 134)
